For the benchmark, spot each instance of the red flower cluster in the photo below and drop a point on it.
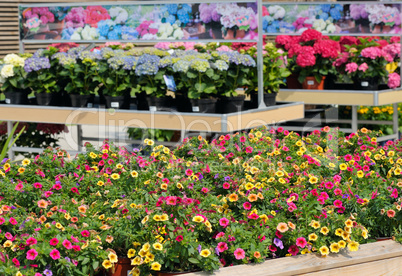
(306, 57)
(94, 14)
(327, 48)
(63, 47)
(310, 35)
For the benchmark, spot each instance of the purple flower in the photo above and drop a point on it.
(199, 248)
(47, 272)
(4, 160)
(216, 176)
(217, 251)
(227, 178)
(278, 243)
(36, 64)
(68, 259)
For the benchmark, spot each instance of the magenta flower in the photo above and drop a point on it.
(31, 241)
(16, 262)
(220, 235)
(301, 242)
(247, 205)
(293, 249)
(239, 254)
(226, 185)
(37, 185)
(55, 254)
(394, 80)
(85, 233)
(13, 221)
(351, 67)
(67, 244)
(54, 242)
(179, 238)
(31, 254)
(363, 67)
(224, 222)
(338, 203)
(222, 247)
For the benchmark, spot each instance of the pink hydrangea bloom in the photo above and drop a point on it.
(351, 67)
(394, 80)
(363, 67)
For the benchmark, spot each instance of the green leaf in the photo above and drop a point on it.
(193, 260)
(191, 75)
(95, 265)
(13, 82)
(85, 261)
(109, 81)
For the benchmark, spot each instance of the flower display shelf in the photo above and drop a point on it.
(352, 98)
(204, 122)
(379, 258)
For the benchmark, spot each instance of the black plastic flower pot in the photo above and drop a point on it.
(269, 99)
(365, 84)
(48, 99)
(183, 103)
(230, 104)
(78, 100)
(19, 97)
(159, 104)
(207, 105)
(117, 102)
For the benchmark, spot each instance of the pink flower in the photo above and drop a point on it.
(85, 233)
(13, 221)
(75, 239)
(253, 216)
(363, 67)
(19, 187)
(293, 249)
(220, 235)
(37, 185)
(249, 149)
(31, 254)
(189, 172)
(16, 262)
(338, 203)
(54, 241)
(67, 244)
(226, 185)
(222, 247)
(372, 52)
(394, 193)
(179, 238)
(76, 248)
(224, 222)
(171, 200)
(55, 254)
(394, 80)
(391, 213)
(351, 67)
(338, 191)
(205, 190)
(301, 242)
(247, 205)
(31, 241)
(57, 186)
(239, 254)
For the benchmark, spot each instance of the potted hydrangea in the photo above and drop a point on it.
(13, 79)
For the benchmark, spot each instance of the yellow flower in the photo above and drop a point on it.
(353, 246)
(157, 246)
(345, 235)
(156, 218)
(136, 261)
(26, 162)
(150, 257)
(142, 253)
(92, 155)
(279, 173)
(324, 230)
(101, 217)
(343, 166)
(131, 253)
(164, 217)
(198, 219)
(18, 274)
(7, 243)
(349, 223)
(313, 180)
(112, 257)
(360, 174)
(208, 224)
(135, 272)
(106, 264)
(115, 176)
(100, 183)
(249, 186)
(335, 247)
(146, 247)
(315, 224)
(312, 237)
(365, 234)
(21, 170)
(155, 266)
(338, 232)
(205, 253)
(145, 219)
(134, 174)
(59, 226)
(342, 244)
(324, 250)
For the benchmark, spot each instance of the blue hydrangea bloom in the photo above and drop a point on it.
(103, 27)
(171, 19)
(325, 7)
(172, 8)
(66, 33)
(186, 7)
(323, 16)
(183, 16)
(128, 33)
(335, 14)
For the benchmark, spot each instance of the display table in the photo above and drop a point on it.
(353, 98)
(203, 122)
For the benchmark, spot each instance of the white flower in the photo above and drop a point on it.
(178, 34)
(149, 37)
(75, 36)
(14, 60)
(331, 28)
(7, 71)
(89, 33)
(119, 15)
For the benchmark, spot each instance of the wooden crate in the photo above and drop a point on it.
(379, 258)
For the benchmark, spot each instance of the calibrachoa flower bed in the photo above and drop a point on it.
(241, 198)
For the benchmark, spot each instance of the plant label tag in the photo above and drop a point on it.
(114, 104)
(8, 101)
(152, 108)
(364, 83)
(310, 82)
(89, 105)
(196, 109)
(169, 80)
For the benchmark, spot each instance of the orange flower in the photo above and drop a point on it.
(82, 209)
(364, 130)
(257, 255)
(42, 219)
(49, 214)
(233, 197)
(260, 196)
(54, 208)
(252, 197)
(291, 225)
(43, 203)
(282, 227)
